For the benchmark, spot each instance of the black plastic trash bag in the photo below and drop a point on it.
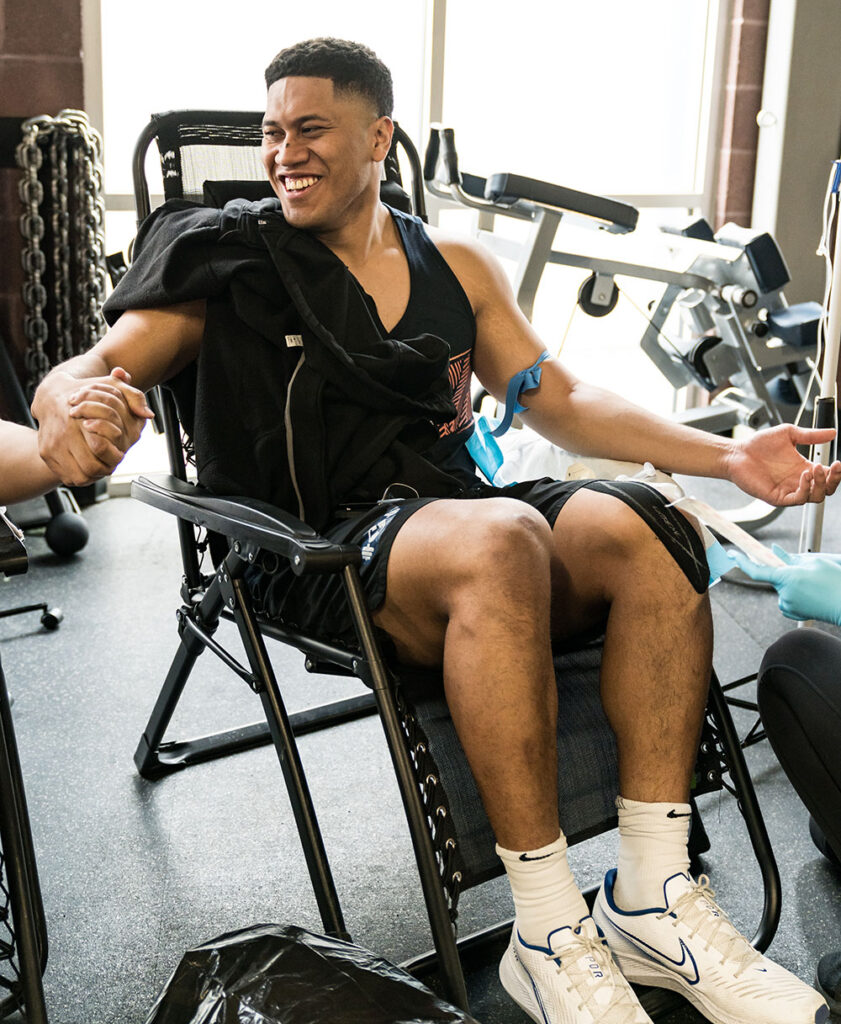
(275, 974)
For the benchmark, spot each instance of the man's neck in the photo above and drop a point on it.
(362, 238)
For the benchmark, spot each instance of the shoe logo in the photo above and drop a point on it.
(687, 960)
(674, 814)
(543, 856)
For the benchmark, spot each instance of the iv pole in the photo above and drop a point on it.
(825, 406)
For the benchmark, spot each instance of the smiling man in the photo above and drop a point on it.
(330, 342)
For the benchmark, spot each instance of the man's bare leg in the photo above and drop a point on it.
(658, 639)
(655, 674)
(469, 589)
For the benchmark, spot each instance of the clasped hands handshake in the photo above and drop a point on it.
(87, 426)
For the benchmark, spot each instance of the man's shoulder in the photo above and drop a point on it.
(458, 246)
(468, 259)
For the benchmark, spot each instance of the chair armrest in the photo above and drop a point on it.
(13, 557)
(248, 521)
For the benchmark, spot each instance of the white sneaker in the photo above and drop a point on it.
(689, 945)
(572, 980)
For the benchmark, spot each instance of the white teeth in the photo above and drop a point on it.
(296, 184)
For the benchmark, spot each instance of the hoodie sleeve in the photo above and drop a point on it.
(172, 260)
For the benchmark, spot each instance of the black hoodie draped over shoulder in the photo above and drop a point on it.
(296, 397)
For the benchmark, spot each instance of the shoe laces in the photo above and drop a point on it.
(568, 961)
(697, 909)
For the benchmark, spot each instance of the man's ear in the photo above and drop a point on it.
(383, 130)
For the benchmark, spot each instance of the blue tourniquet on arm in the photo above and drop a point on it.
(482, 444)
(525, 380)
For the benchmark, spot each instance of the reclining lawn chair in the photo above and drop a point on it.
(23, 929)
(451, 835)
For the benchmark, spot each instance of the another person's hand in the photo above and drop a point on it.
(768, 466)
(87, 426)
(808, 585)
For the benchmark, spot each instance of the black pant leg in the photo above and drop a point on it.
(799, 694)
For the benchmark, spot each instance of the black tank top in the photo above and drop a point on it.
(438, 305)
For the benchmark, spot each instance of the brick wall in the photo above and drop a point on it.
(742, 101)
(40, 73)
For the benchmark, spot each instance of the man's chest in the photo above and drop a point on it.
(387, 280)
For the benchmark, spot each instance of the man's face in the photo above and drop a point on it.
(322, 152)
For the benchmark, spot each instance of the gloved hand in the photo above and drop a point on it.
(808, 585)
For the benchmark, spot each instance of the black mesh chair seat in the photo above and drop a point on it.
(587, 771)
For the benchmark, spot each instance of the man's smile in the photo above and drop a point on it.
(300, 183)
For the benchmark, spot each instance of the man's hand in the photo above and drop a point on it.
(87, 426)
(768, 466)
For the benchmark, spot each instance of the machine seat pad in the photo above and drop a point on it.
(797, 325)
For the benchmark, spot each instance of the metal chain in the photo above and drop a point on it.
(74, 151)
(30, 158)
(90, 238)
(61, 237)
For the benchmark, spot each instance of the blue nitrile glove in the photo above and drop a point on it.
(808, 585)
(718, 560)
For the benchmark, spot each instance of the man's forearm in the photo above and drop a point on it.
(23, 473)
(599, 423)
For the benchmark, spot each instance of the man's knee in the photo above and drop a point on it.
(485, 547)
(505, 539)
(613, 531)
(470, 562)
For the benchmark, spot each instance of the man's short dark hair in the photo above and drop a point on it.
(351, 67)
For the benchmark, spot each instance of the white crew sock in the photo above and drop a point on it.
(545, 894)
(652, 848)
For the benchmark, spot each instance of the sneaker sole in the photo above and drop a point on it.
(641, 972)
(519, 989)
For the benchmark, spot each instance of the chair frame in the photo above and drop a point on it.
(254, 527)
(22, 887)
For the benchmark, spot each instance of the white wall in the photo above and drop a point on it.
(800, 134)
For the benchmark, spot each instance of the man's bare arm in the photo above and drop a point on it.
(88, 415)
(23, 473)
(592, 421)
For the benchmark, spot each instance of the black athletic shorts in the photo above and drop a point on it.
(317, 604)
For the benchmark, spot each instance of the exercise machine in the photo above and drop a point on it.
(721, 323)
